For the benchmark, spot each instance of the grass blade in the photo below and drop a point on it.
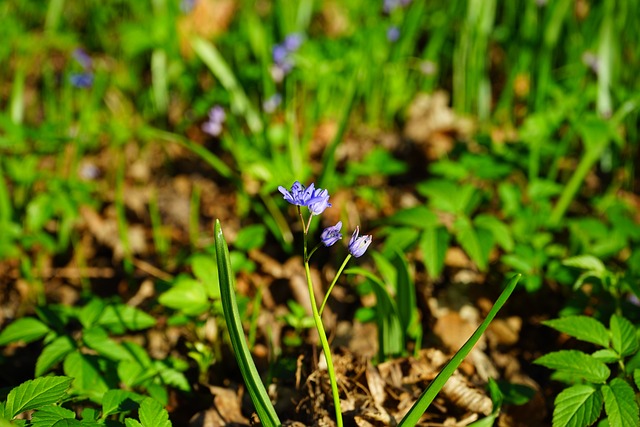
(264, 408)
(413, 416)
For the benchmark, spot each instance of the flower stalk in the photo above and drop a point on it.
(317, 200)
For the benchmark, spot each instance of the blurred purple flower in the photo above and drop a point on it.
(82, 58)
(272, 103)
(319, 202)
(217, 117)
(393, 34)
(282, 56)
(292, 42)
(359, 245)
(389, 6)
(81, 80)
(331, 235)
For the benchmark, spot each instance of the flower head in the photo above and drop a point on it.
(299, 194)
(331, 235)
(359, 245)
(319, 202)
(217, 117)
(393, 34)
(81, 80)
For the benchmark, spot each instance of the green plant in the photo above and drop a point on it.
(46, 397)
(80, 339)
(607, 376)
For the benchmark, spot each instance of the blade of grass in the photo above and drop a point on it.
(264, 408)
(218, 66)
(413, 416)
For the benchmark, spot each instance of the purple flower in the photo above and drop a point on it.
(393, 34)
(272, 103)
(217, 117)
(292, 42)
(319, 202)
(299, 195)
(81, 80)
(359, 245)
(280, 54)
(331, 235)
(316, 199)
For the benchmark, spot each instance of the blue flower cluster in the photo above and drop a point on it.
(317, 200)
(85, 78)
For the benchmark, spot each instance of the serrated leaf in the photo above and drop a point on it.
(68, 423)
(583, 328)
(585, 262)
(49, 415)
(606, 355)
(35, 393)
(577, 406)
(153, 414)
(620, 404)
(623, 336)
(119, 318)
(130, 422)
(26, 329)
(576, 364)
(53, 353)
(117, 401)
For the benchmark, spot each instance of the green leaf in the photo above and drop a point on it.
(26, 329)
(97, 339)
(187, 295)
(49, 415)
(606, 355)
(418, 409)
(586, 262)
(623, 336)
(35, 393)
(117, 401)
(470, 241)
(420, 217)
(500, 231)
(576, 364)
(257, 392)
(130, 422)
(636, 377)
(153, 414)
(68, 423)
(577, 406)
(206, 270)
(91, 312)
(119, 318)
(53, 353)
(88, 380)
(620, 404)
(583, 328)
(434, 243)
(405, 293)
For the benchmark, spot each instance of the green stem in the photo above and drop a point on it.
(325, 344)
(335, 279)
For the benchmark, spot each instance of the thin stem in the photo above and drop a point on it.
(311, 254)
(335, 279)
(325, 345)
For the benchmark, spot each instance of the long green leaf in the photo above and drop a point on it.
(413, 416)
(264, 408)
(620, 404)
(577, 406)
(26, 329)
